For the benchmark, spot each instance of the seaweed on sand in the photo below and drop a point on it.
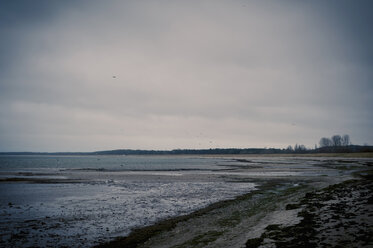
(327, 210)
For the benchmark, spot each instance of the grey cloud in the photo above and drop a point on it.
(242, 73)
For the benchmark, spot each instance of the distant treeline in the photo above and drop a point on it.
(343, 149)
(227, 151)
(216, 151)
(335, 144)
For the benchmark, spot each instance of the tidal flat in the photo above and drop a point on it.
(157, 201)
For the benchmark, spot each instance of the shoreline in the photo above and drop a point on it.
(141, 235)
(242, 221)
(295, 155)
(261, 201)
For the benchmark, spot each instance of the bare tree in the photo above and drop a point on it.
(337, 140)
(299, 148)
(346, 140)
(324, 142)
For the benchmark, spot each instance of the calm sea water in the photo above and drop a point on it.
(119, 163)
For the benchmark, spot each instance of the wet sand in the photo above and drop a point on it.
(275, 215)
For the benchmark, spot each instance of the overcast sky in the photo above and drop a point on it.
(98, 75)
